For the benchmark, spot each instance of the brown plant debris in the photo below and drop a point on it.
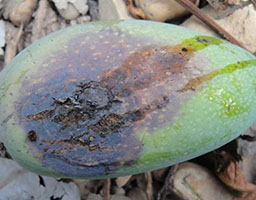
(149, 188)
(229, 172)
(134, 11)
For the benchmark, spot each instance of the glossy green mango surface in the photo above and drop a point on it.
(115, 98)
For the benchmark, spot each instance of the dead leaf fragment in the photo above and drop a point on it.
(231, 174)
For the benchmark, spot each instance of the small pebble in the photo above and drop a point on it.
(119, 190)
(22, 11)
(71, 9)
(119, 197)
(137, 193)
(193, 181)
(69, 13)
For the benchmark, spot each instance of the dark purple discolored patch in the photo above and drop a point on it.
(87, 103)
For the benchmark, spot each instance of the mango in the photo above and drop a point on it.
(115, 98)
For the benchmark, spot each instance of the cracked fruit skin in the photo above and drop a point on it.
(115, 98)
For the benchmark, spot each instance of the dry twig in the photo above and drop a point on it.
(171, 174)
(107, 189)
(11, 48)
(149, 189)
(40, 16)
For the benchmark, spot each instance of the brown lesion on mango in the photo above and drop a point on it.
(96, 124)
(41, 115)
(160, 64)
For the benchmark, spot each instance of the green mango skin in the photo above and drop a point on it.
(115, 98)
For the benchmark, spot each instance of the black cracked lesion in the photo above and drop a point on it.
(92, 106)
(92, 124)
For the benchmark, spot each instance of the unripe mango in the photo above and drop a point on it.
(108, 99)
